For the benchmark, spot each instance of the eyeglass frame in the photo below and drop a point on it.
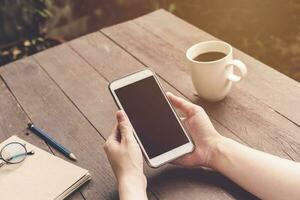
(8, 162)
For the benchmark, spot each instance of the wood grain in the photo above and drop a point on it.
(13, 121)
(51, 110)
(107, 58)
(82, 84)
(166, 182)
(250, 119)
(268, 85)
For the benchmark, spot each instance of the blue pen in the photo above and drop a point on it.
(51, 141)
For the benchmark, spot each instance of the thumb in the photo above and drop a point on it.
(124, 125)
(188, 108)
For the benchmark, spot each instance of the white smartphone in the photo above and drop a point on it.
(157, 128)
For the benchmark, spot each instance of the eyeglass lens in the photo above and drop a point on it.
(14, 153)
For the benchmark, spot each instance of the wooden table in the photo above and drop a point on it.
(64, 91)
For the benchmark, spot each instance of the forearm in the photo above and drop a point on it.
(132, 188)
(262, 174)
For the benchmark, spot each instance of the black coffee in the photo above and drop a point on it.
(209, 56)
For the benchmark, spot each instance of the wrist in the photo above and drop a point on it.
(133, 184)
(138, 178)
(217, 150)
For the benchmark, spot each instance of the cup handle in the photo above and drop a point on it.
(239, 65)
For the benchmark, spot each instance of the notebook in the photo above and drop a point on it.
(41, 176)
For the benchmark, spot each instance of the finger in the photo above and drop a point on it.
(181, 104)
(183, 118)
(112, 139)
(124, 126)
(115, 134)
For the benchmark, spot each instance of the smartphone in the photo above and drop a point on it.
(157, 128)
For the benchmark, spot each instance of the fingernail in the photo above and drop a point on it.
(120, 116)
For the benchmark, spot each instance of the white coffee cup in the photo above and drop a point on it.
(213, 79)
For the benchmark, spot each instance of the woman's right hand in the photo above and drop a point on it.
(201, 130)
(271, 177)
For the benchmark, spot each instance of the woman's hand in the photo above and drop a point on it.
(126, 160)
(201, 130)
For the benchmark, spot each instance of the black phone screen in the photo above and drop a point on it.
(151, 116)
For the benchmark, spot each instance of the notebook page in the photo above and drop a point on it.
(41, 176)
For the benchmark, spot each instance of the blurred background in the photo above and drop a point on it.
(268, 30)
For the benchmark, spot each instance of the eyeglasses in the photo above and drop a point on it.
(14, 153)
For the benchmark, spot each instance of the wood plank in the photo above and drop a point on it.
(82, 84)
(97, 49)
(255, 123)
(51, 110)
(106, 58)
(13, 121)
(268, 85)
